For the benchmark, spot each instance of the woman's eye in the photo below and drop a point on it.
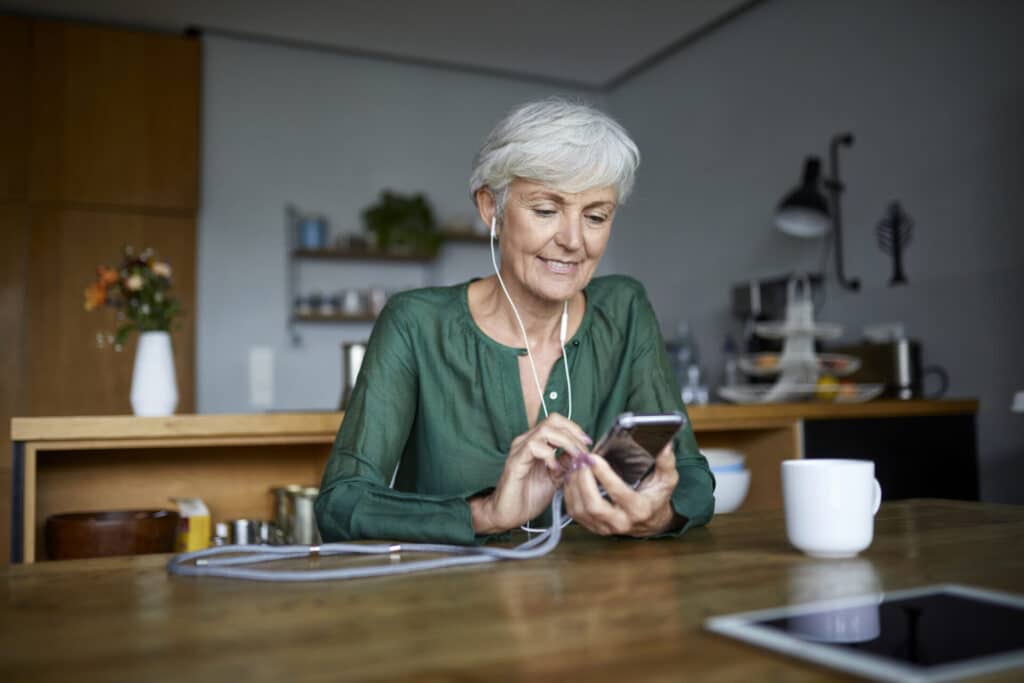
(544, 213)
(597, 219)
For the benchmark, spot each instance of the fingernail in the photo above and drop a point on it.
(588, 459)
(588, 440)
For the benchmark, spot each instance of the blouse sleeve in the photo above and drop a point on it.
(653, 389)
(355, 499)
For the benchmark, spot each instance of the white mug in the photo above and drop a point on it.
(830, 505)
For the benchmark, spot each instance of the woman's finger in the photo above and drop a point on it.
(598, 509)
(559, 437)
(545, 452)
(621, 494)
(665, 474)
(665, 462)
(562, 422)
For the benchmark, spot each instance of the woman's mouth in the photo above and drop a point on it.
(559, 267)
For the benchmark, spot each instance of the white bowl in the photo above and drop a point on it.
(723, 457)
(730, 490)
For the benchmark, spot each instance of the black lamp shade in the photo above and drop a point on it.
(804, 212)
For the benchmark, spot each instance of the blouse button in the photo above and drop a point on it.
(553, 395)
(575, 342)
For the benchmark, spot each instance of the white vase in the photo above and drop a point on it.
(154, 387)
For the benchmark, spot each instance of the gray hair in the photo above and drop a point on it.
(568, 146)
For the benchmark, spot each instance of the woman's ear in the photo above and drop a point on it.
(486, 205)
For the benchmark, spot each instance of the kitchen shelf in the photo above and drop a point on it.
(334, 318)
(296, 254)
(360, 255)
(465, 236)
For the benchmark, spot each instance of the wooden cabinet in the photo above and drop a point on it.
(115, 117)
(15, 58)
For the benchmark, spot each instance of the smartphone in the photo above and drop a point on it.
(634, 441)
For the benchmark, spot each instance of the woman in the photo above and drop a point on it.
(449, 399)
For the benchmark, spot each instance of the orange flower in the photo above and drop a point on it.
(95, 296)
(106, 275)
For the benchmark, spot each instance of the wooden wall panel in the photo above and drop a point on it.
(68, 373)
(15, 60)
(115, 117)
(13, 250)
(99, 146)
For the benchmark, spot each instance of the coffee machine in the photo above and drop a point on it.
(898, 365)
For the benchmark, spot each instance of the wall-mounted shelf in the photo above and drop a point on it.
(334, 318)
(464, 236)
(361, 255)
(296, 253)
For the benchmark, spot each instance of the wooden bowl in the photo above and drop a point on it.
(76, 535)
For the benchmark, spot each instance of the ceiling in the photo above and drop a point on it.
(587, 43)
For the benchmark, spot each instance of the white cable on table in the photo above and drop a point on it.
(196, 563)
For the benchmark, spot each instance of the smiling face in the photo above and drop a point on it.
(551, 241)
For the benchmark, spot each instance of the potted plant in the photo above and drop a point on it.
(139, 289)
(403, 223)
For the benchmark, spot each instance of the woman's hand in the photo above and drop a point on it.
(643, 512)
(531, 476)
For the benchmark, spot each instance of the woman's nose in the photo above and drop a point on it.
(570, 233)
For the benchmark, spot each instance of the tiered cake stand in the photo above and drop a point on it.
(799, 367)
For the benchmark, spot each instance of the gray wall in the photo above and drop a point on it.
(327, 132)
(935, 95)
(931, 90)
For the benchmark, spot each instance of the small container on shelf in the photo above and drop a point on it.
(333, 306)
(312, 231)
(352, 302)
(301, 307)
(377, 297)
(316, 301)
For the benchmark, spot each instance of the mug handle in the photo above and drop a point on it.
(878, 496)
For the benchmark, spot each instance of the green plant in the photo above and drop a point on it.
(403, 222)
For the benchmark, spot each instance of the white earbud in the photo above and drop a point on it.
(494, 231)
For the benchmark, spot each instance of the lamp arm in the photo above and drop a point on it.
(835, 188)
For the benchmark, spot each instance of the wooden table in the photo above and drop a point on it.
(595, 609)
(65, 464)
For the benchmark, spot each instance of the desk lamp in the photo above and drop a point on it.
(806, 213)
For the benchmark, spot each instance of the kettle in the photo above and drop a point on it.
(909, 374)
(351, 360)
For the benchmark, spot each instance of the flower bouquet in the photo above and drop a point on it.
(140, 290)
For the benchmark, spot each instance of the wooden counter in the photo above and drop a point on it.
(63, 464)
(212, 428)
(594, 610)
(725, 416)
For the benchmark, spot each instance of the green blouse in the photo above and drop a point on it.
(441, 401)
